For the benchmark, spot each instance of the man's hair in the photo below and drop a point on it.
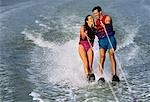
(97, 8)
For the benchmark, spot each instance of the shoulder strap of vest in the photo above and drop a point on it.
(103, 18)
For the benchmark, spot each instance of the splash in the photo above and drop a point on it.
(38, 39)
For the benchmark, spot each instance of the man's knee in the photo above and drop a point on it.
(111, 53)
(102, 55)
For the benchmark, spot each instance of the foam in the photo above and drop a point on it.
(38, 39)
(129, 38)
(69, 69)
(64, 55)
(37, 97)
(133, 53)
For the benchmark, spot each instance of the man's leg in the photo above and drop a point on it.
(101, 62)
(113, 61)
(112, 58)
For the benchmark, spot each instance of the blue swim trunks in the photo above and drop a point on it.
(104, 43)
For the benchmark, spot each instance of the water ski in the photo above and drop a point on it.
(101, 81)
(91, 77)
(115, 78)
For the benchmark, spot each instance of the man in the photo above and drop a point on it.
(103, 25)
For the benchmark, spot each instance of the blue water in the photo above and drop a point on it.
(39, 59)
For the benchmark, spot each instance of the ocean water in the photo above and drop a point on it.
(39, 59)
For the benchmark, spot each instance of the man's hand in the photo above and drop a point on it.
(108, 20)
(102, 24)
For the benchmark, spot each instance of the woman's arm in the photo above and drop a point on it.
(82, 32)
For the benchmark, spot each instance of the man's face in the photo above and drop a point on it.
(96, 14)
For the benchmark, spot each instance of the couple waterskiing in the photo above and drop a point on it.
(99, 25)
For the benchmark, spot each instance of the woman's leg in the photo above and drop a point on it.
(90, 55)
(84, 58)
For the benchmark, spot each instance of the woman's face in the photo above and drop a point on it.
(90, 20)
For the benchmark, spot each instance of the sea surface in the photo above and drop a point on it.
(39, 60)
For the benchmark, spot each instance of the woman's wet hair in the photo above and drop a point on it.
(97, 8)
(86, 24)
(86, 19)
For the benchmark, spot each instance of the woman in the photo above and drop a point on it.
(87, 36)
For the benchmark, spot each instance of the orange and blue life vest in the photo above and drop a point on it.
(100, 29)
